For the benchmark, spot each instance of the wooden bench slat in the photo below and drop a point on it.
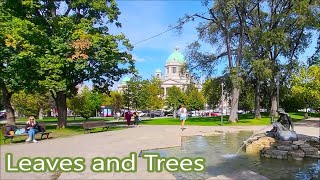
(90, 125)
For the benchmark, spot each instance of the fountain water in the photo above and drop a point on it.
(229, 156)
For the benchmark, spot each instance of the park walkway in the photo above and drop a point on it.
(310, 122)
(117, 144)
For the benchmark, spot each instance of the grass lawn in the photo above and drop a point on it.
(244, 120)
(296, 116)
(70, 119)
(57, 133)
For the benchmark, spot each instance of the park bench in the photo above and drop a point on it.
(6, 136)
(90, 125)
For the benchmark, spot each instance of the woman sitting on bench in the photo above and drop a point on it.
(32, 128)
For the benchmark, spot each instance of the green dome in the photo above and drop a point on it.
(176, 56)
(125, 80)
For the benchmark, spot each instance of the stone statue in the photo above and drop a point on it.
(285, 119)
(281, 128)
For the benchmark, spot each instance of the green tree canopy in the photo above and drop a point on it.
(30, 104)
(77, 45)
(86, 103)
(306, 86)
(194, 98)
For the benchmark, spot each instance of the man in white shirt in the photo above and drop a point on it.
(183, 116)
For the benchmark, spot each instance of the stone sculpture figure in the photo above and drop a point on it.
(281, 128)
(285, 119)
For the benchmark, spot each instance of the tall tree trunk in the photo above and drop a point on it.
(257, 113)
(274, 103)
(6, 97)
(61, 102)
(234, 104)
(41, 113)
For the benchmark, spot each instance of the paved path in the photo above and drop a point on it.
(118, 144)
(310, 122)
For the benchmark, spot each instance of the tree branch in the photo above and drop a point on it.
(53, 96)
(200, 16)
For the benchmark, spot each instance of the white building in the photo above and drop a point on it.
(176, 73)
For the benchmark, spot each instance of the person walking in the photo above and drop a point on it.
(128, 116)
(118, 115)
(183, 116)
(136, 118)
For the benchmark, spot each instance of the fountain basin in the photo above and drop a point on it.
(222, 163)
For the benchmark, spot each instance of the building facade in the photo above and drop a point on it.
(175, 73)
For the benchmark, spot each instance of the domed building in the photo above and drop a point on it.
(123, 84)
(175, 73)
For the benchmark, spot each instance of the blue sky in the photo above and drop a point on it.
(142, 19)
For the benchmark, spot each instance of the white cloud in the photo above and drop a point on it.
(138, 59)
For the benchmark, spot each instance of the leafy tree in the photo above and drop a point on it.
(116, 101)
(133, 92)
(246, 101)
(224, 28)
(194, 98)
(153, 94)
(144, 94)
(78, 46)
(286, 28)
(212, 91)
(175, 97)
(86, 103)
(306, 86)
(31, 104)
(21, 44)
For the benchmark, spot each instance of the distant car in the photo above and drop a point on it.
(141, 114)
(263, 110)
(241, 112)
(214, 114)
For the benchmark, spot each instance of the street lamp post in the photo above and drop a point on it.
(221, 104)
(128, 103)
(278, 82)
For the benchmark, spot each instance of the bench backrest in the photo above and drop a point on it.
(91, 124)
(42, 126)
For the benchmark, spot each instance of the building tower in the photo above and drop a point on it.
(158, 74)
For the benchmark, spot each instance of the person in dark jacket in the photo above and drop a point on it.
(32, 128)
(285, 119)
(128, 116)
(136, 118)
